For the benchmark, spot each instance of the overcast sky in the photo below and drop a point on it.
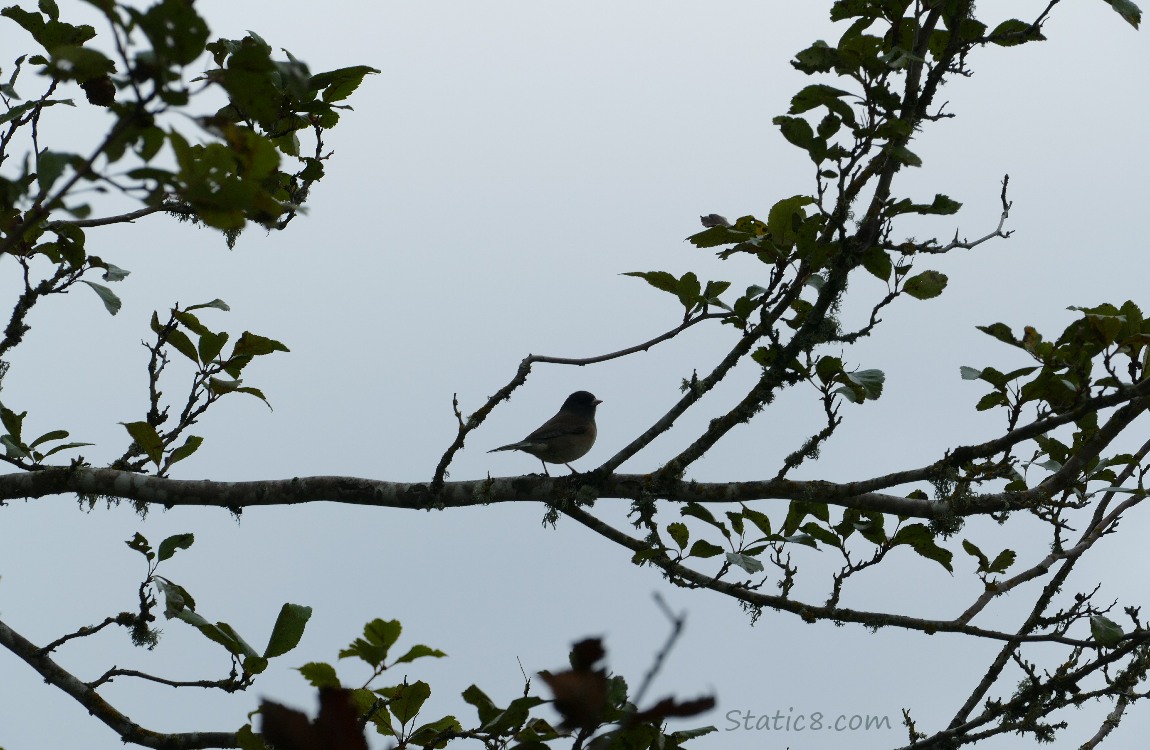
(512, 159)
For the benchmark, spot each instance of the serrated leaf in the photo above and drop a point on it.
(871, 381)
(114, 273)
(679, 533)
(378, 638)
(926, 285)
(318, 674)
(1002, 561)
(969, 373)
(408, 699)
(210, 346)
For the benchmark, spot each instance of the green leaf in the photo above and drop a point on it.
(177, 33)
(254, 392)
(431, 735)
(180, 341)
(419, 651)
(113, 273)
(247, 739)
(703, 548)
(695, 510)
(1002, 332)
(679, 533)
(218, 304)
(746, 562)
(661, 280)
(255, 664)
(47, 436)
(169, 546)
(906, 156)
(210, 346)
(319, 674)
(1130, 12)
(759, 519)
(408, 699)
(919, 538)
(139, 543)
(176, 597)
(50, 165)
(191, 444)
(796, 130)
(1106, 632)
(147, 438)
(107, 296)
(254, 345)
(974, 551)
(63, 447)
(288, 630)
(485, 708)
(969, 373)
(785, 218)
(689, 290)
(925, 285)
(723, 235)
(339, 84)
(378, 638)
(877, 261)
(1002, 561)
(871, 381)
(220, 632)
(13, 448)
(818, 533)
(1012, 32)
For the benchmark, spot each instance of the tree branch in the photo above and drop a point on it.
(128, 731)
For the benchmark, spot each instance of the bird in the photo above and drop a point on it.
(565, 437)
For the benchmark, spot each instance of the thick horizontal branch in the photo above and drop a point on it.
(236, 496)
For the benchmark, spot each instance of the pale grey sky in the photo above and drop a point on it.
(512, 159)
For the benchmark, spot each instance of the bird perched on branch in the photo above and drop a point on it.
(565, 437)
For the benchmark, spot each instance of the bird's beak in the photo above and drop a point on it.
(598, 401)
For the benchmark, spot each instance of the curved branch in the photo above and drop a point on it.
(810, 612)
(178, 209)
(87, 697)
